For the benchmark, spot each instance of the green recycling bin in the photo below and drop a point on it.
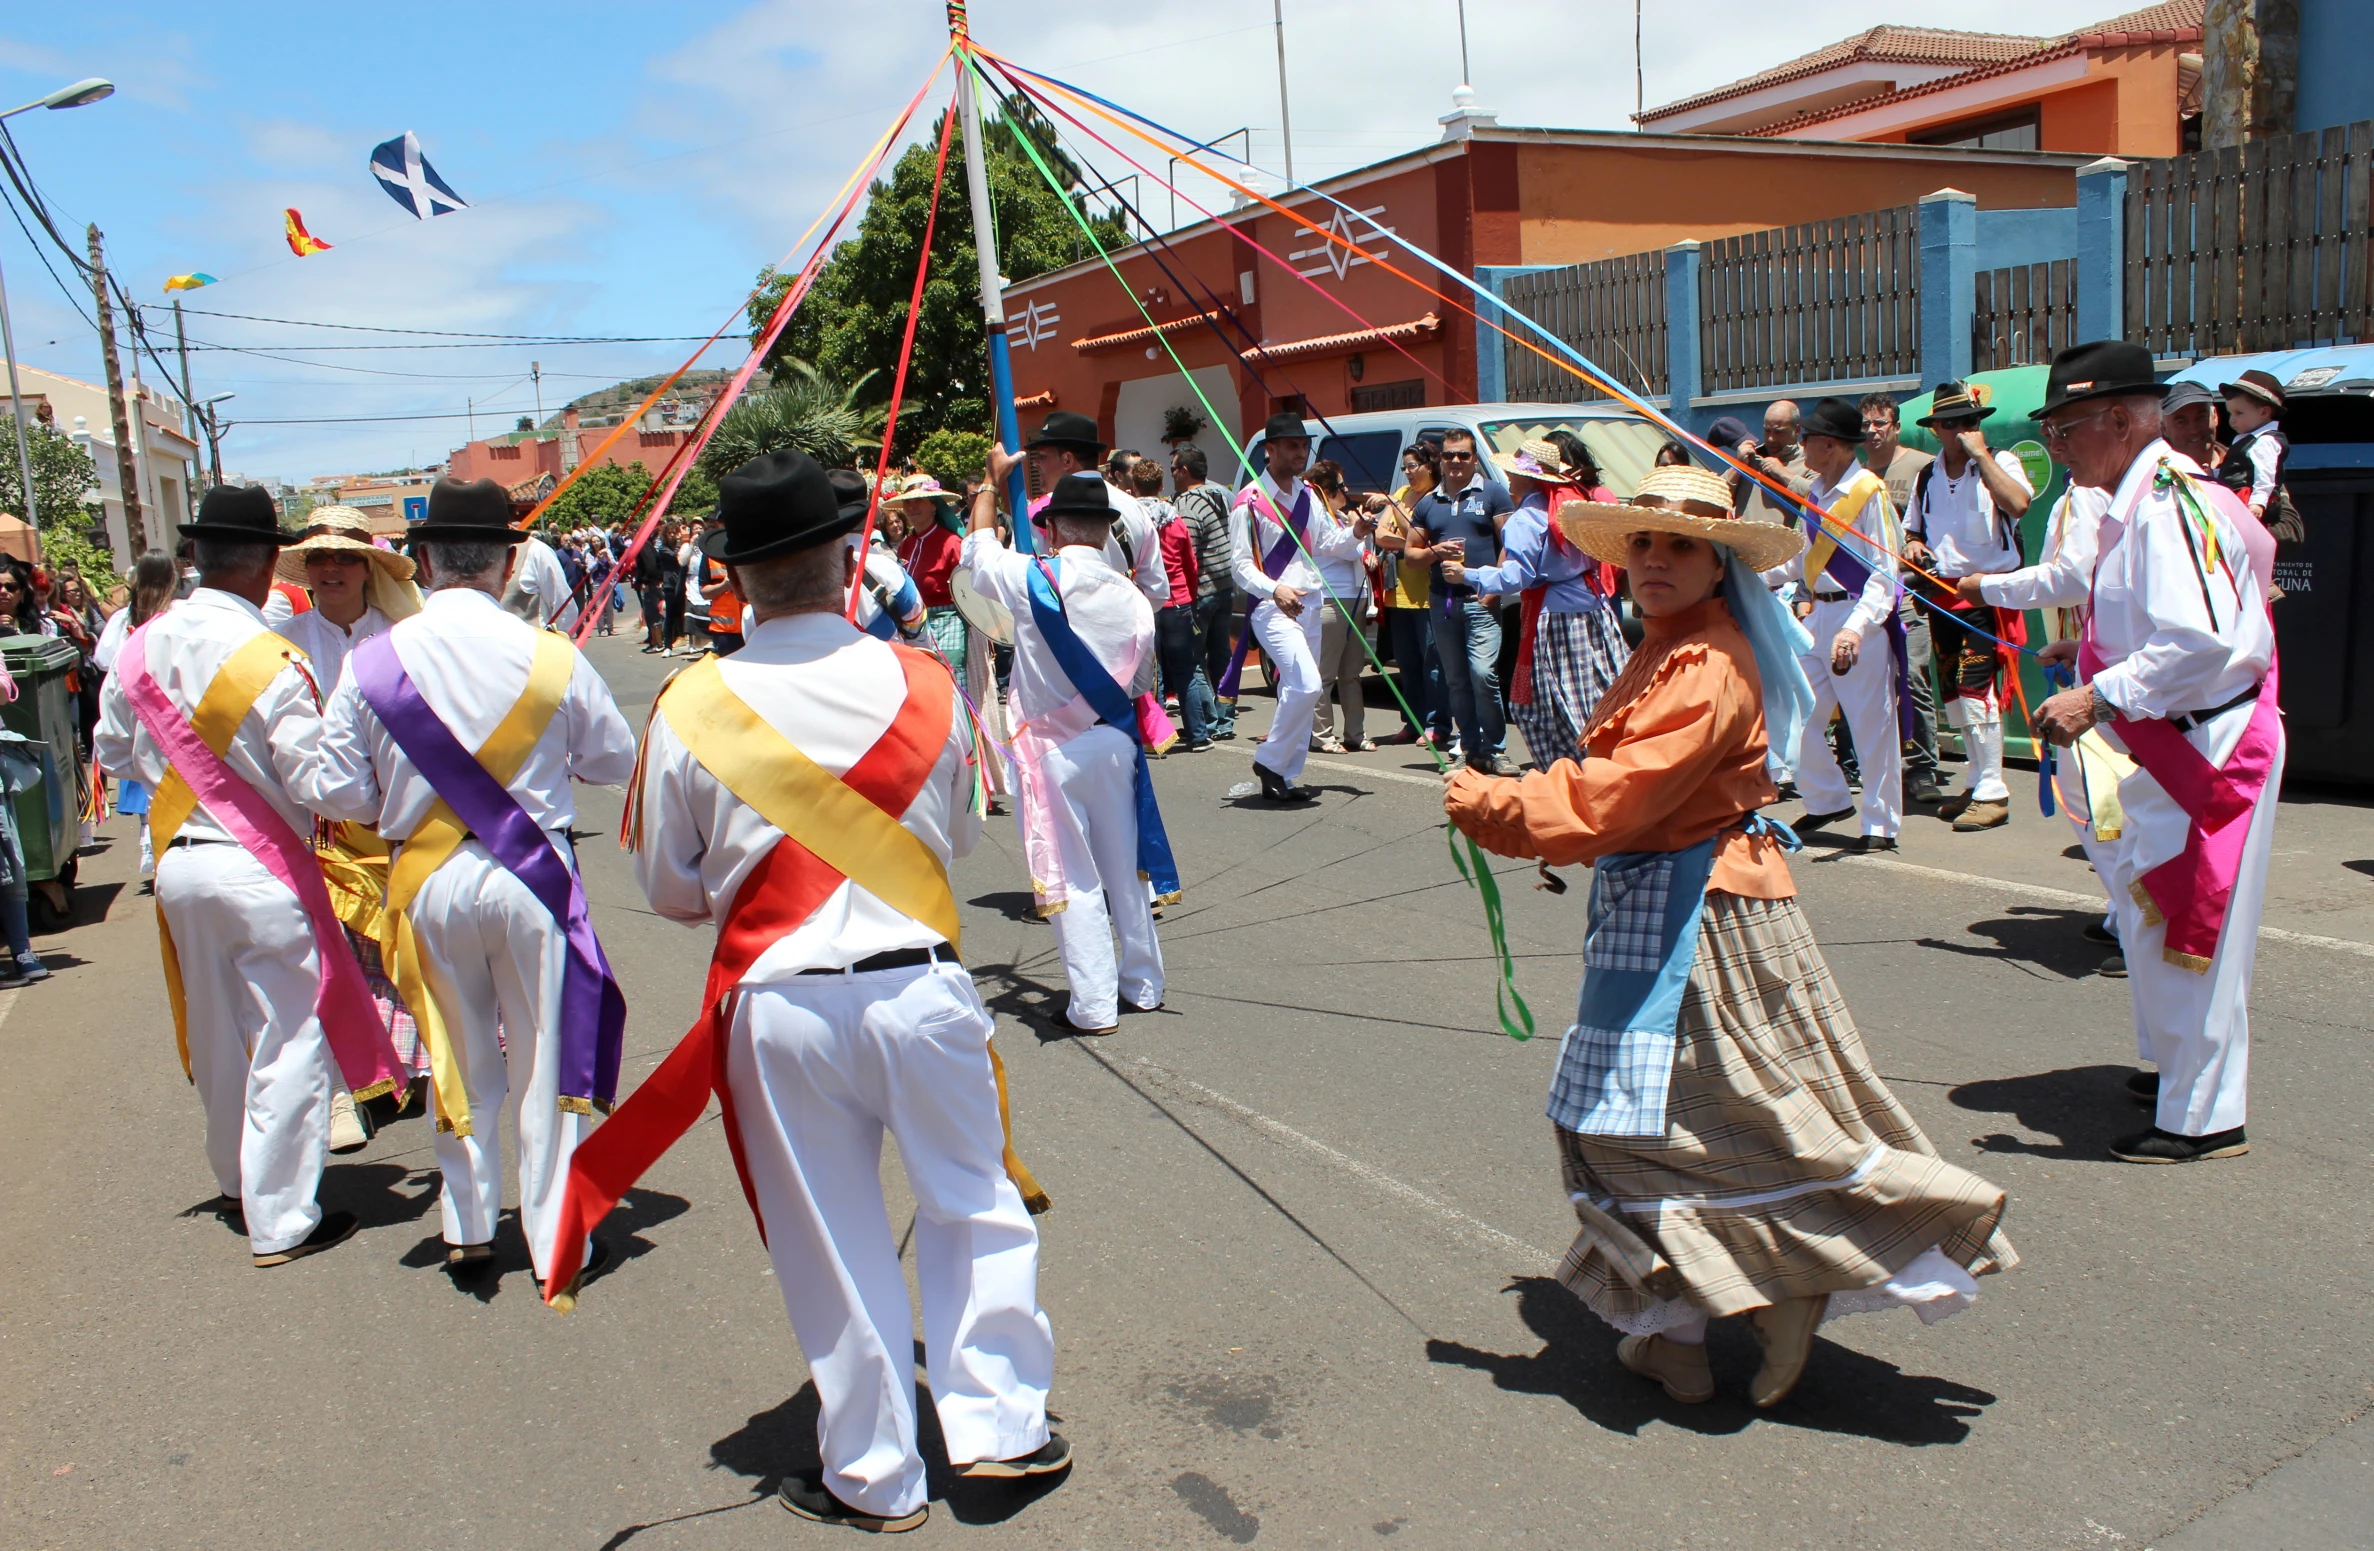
(48, 815)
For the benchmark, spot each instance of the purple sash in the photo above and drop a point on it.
(1852, 573)
(593, 1009)
(1296, 526)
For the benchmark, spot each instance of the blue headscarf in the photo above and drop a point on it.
(1778, 640)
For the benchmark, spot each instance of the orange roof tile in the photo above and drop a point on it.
(1908, 45)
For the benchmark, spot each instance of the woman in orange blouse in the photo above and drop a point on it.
(1725, 1142)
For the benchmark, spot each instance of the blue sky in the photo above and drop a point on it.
(630, 167)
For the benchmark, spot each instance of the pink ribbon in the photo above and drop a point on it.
(358, 1039)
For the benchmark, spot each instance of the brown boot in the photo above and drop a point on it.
(1681, 1369)
(1952, 807)
(1785, 1331)
(1991, 814)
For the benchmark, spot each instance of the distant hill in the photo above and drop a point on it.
(605, 406)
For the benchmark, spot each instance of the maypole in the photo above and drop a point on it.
(993, 305)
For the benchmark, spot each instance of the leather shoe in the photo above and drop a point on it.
(808, 1497)
(1922, 790)
(1874, 844)
(2158, 1146)
(1276, 788)
(1785, 1331)
(1809, 820)
(335, 1228)
(2144, 1087)
(2114, 967)
(1993, 813)
(1052, 1456)
(1681, 1369)
(2101, 932)
(1952, 807)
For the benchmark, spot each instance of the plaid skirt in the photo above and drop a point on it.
(410, 1051)
(1787, 1168)
(1575, 658)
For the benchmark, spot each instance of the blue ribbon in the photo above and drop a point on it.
(1111, 702)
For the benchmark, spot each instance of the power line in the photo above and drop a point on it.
(495, 344)
(373, 328)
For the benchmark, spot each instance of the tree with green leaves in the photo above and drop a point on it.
(63, 474)
(608, 493)
(803, 411)
(853, 319)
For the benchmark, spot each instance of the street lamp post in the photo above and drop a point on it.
(75, 96)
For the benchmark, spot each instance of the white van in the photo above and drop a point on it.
(1368, 446)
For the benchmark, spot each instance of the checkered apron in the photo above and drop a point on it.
(1575, 658)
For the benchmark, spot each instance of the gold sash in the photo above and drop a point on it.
(438, 837)
(1843, 514)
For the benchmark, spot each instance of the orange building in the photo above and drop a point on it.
(523, 455)
(1340, 331)
(2129, 86)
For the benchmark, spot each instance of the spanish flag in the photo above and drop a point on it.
(301, 241)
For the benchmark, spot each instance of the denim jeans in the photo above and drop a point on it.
(1467, 638)
(1411, 639)
(1213, 645)
(1182, 675)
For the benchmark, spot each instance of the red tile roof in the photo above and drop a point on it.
(1408, 333)
(1907, 45)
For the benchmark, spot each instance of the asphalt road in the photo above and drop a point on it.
(1297, 1265)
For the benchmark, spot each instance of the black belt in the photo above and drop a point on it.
(2193, 719)
(896, 958)
(179, 841)
(1832, 597)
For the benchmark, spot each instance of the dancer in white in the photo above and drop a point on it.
(2179, 656)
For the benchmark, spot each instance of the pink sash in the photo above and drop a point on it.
(365, 1053)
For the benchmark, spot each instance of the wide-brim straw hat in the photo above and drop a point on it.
(1537, 460)
(1679, 498)
(342, 528)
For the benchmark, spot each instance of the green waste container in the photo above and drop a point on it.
(48, 816)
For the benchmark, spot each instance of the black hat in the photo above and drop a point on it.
(780, 503)
(1078, 495)
(475, 511)
(2255, 384)
(1957, 400)
(1283, 424)
(2105, 368)
(851, 490)
(1836, 418)
(1066, 429)
(236, 512)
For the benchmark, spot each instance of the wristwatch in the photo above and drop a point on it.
(2103, 710)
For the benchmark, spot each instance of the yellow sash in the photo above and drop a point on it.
(808, 802)
(220, 710)
(438, 837)
(1843, 514)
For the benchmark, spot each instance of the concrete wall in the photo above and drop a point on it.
(2336, 63)
(2013, 237)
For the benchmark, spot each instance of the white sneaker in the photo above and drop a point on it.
(347, 1130)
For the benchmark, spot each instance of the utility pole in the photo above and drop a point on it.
(139, 405)
(1639, 99)
(1465, 79)
(181, 342)
(1285, 115)
(16, 411)
(993, 305)
(127, 476)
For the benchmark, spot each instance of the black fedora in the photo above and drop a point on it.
(1083, 494)
(2104, 368)
(466, 511)
(1066, 429)
(1282, 425)
(780, 503)
(1835, 418)
(242, 512)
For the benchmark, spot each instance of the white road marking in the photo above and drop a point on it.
(1376, 1179)
(2362, 950)
(1435, 782)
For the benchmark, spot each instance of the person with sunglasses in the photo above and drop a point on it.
(2179, 670)
(1460, 521)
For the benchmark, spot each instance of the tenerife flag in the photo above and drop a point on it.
(409, 179)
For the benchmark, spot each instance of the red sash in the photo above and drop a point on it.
(786, 888)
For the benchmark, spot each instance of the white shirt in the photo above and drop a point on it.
(186, 647)
(1956, 517)
(1109, 614)
(831, 690)
(2167, 651)
(1256, 522)
(2065, 575)
(539, 576)
(326, 643)
(1876, 519)
(1141, 561)
(2266, 460)
(112, 636)
(278, 609)
(469, 658)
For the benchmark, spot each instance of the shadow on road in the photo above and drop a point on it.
(1013, 904)
(2085, 1107)
(2047, 937)
(621, 1230)
(1843, 1391)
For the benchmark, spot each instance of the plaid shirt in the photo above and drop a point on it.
(1616, 1062)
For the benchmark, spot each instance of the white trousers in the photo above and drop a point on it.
(2194, 1026)
(1292, 646)
(495, 957)
(259, 1057)
(1094, 784)
(1867, 693)
(820, 1066)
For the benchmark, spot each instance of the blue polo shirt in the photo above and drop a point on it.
(1470, 515)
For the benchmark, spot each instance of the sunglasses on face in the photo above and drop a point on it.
(2058, 431)
(1459, 457)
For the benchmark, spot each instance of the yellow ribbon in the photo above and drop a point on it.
(354, 863)
(438, 837)
(221, 709)
(1843, 514)
(808, 802)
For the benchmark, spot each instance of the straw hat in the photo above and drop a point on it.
(1537, 460)
(389, 590)
(920, 487)
(1679, 498)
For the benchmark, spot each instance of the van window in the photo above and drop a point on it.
(1624, 448)
(1371, 460)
